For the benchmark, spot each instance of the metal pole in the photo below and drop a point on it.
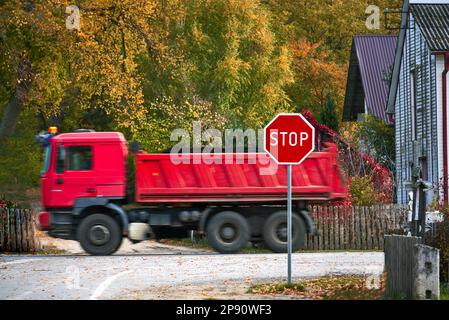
(289, 222)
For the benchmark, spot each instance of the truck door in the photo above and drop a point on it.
(74, 176)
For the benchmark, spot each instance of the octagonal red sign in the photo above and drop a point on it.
(289, 138)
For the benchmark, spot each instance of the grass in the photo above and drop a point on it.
(201, 243)
(37, 252)
(444, 292)
(327, 288)
(50, 251)
(339, 250)
(277, 288)
(196, 244)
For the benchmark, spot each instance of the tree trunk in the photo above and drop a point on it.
(12, 112)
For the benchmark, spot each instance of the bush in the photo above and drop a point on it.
(378, 140)
(328, 115)
(6, 203)
(363, 192)
(440, 240)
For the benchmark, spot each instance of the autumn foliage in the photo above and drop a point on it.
(370, 182)
(316, 75)
(147, 67)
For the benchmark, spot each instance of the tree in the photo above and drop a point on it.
(222, 65)
(332, 23)
(319, 35)
(73, 72)
(14, 107)
(328, 114)
(316, 76)
(377, 139)
(147, 67)
(238, 65)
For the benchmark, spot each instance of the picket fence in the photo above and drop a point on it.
(355, 228)
(340, 228)
(17, 231)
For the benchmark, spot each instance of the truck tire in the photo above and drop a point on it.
(275, 232)
(227, 232)
(99, 235)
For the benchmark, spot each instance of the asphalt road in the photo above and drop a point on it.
(145, 276)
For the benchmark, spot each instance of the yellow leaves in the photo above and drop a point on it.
(352, 287)
(242, 58)
(316, 74)
(94, 68)
(363, 192)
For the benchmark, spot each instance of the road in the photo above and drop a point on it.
(170, 275)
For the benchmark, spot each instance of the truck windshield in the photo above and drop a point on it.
(47, 153)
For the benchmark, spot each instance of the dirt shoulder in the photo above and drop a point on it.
(226, 290)
(68, 247)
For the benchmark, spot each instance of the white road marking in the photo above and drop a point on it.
(105, 284)
(18, 261)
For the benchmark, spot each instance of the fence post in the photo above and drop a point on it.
(337, 228)
(2, 229)
(325, 228)
(319, 222)
(401, 259)
(330, 219)
(11, 240)
(341, 227)
(25, 246)
(369, 229)
(374, 220)
(34, 246)
(17, 230)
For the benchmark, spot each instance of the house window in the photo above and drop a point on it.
(413, 104)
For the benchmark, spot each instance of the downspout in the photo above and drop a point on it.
(445, 146)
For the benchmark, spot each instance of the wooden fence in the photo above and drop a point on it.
(354, 228)
(412, 269)
(341, 228)
(17, 230)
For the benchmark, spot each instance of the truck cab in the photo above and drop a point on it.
(82, 166)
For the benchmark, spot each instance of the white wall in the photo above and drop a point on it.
(439, 71)
(439, 82)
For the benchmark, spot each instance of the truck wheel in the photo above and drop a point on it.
(275, 232)
(227, 232)
(99, 235)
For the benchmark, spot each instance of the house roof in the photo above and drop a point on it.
(432, 17)
(433, 21)
(371, 62)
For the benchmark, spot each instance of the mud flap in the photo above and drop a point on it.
(310, 225)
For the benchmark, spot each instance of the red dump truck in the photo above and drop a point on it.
(233, 202)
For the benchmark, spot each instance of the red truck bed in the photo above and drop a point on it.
(159, 180)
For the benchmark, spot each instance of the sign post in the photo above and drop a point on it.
(289, 140)
(289, 222)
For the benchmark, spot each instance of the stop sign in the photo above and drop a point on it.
(289, 138)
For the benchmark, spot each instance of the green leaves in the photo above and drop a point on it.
(328, 115)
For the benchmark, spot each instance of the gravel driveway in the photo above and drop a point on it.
(175, 274)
